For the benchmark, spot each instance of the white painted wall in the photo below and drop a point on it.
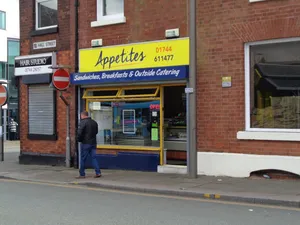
(13, 18)
(241, 165)
(11, 7)
(3, 5)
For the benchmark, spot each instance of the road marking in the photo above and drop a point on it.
(206, 195)
(217, 196)
(75, 186)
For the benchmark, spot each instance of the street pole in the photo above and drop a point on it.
(68, 140)
(191, 98)
(78, 119)
(1, 137)
(77, 92)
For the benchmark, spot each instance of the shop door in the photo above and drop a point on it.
(175, 127)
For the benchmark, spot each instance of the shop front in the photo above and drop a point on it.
(37, 111)
(136, 93)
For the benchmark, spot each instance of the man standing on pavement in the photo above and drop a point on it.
(13, 129)
(87, 131)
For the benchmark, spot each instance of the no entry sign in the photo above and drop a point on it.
(3, 95)
(61, 79)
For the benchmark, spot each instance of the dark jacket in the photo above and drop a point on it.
(87, 131)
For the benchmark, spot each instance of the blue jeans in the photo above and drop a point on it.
(86, 150)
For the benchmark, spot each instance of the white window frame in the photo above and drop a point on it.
(256, 1)
(37, 16)
(263, 133)
(107, 20)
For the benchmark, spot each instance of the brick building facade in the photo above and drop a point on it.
(229, 142)
(52, 151)
(235, 40)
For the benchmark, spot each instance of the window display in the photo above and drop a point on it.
(274, 85)
(175, 128)
(131, 117)
(134, 123)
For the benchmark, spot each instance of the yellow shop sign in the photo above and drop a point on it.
(135, 56)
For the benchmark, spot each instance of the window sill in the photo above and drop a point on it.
(108, 21)
(128, 147)
(251, 1)
(52, 30)
(268, 136)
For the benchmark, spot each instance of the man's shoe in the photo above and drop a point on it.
(80, 177)
(97, 175)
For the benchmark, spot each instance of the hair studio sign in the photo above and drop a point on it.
(34, 64)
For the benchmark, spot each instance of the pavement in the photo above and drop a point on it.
(29, 203)
(257, 191)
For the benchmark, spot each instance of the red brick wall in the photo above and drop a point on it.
(223, 28)
(64, 57)
(27, 25)
(145, 21)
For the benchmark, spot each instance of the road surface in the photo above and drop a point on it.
(32, 203)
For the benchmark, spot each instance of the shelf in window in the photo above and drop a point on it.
(175, 139)
(177, 127)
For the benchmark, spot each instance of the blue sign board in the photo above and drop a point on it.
(121, 76)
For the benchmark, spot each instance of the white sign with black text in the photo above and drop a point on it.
(35, 64)
(189, 90)
(44, 44)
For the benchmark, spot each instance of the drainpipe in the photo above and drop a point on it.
(192, 142)
(76, 5)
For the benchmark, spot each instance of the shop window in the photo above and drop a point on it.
(46, 14)
(131, 92)
(274, 87)
(109, 12)
(130, 123)
(2, 20)
(139, 92)
(41, 112)
(98, 93)
(131, 119)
